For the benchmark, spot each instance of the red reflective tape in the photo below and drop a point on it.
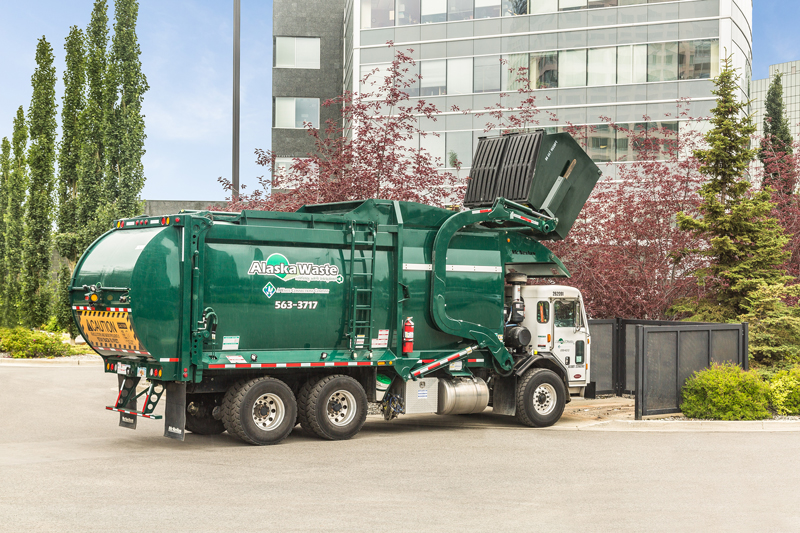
(434, 365)
(317, 364)
(293, 365)
(527, 219)
(426, 360)
(339, 364)
(242, 366)
(484, 210)
(363, 363)
(216, 366)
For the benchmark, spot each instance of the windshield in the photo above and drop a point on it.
(567, 313)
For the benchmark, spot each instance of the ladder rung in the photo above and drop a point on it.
(362, 274)
(364, 243)
(363, 307)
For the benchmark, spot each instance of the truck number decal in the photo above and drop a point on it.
(302, 304)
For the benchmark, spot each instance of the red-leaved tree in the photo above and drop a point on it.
(370, 152)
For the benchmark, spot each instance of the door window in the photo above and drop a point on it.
(543, 312)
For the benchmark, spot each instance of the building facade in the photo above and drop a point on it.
(589, 62)
(791, 95)
(307, 71)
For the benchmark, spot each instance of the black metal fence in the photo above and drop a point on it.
(653, 359)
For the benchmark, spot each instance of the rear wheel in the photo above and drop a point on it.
(541, 397)
(302, 403)
(335, 408)
(260, 411)
(199, 419)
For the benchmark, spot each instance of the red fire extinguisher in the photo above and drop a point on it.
(408, 336)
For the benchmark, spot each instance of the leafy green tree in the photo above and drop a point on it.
(14, 217)
(777, 134)
(125, 129)
(746, 245)
(93, 216)
(774, 324)
(5, 177)
(41, 159)
(73, 103)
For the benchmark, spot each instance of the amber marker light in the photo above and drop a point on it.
(93, 297)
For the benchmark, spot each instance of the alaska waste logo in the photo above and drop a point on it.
(279, 266)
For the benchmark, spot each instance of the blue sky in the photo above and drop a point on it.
(187, 57)
(187, 51)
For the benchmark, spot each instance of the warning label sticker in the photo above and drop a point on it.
(107, 329)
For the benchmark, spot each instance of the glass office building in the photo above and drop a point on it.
(588, 62)
(790, 80)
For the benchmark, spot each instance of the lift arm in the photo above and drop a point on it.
(501, 211)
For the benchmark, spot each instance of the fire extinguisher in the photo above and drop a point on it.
(408, 336)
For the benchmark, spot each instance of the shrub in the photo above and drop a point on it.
(726, 392)
(785, 392)
(24, 343)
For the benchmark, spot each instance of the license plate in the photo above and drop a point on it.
(122, 368)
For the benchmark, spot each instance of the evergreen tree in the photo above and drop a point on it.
(5, 178)
(14, 217)
(777, 134)
(74, 101)
(125, 136)
(41, 160)
(745, 243)
(92, 218)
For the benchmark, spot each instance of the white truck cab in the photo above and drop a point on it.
(556, 317)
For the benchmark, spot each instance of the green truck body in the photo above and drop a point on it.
(246, 319)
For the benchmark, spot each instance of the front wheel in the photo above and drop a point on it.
(541, 397)
(335, 407)
(260, 411)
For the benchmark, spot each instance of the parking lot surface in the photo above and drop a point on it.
(66, 466)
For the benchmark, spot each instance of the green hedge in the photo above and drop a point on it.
(24, 343)
(726, 392)
(785, 392)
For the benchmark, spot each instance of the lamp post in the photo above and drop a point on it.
(237, 18)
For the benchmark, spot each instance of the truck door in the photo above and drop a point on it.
(569, 337)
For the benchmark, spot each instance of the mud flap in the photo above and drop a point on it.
(175, 411)
(126, 420)
(504, 395)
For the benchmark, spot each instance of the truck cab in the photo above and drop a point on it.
(556, 318)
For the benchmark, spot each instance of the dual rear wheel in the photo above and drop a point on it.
(264, 410)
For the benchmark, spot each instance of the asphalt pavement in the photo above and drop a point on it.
(66, 466)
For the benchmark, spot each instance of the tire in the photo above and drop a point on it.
(260, 411)
(336, 407)
(302, 403)
(202, 423)
(541, 397)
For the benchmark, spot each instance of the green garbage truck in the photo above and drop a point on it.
(256, 321)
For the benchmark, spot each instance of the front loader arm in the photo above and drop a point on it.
(501, 211)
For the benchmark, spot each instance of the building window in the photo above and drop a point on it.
(434, 78)
(699, 60)
(433, 144)
(662, 62)
(433, 11)
(459, 76)
(572, 68)
(602, 3)
(377, 13)
(602, 143)
(632, 64)
(515, 7)
(407, 12)
(459, 10)
(293, 112)
(544, 70)
(569, 5)
(602, 66)
(487, 8)
(514, 72)
(543, 6)
(487, 74)
(459, 148)
(297, 52)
